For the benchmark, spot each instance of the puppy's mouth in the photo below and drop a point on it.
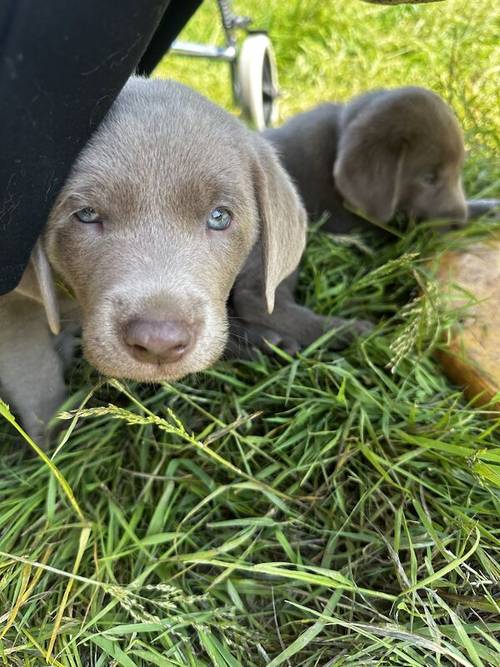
(441, 223)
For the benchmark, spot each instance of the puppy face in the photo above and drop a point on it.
(431, 173)
(154, 224)
(401, 151)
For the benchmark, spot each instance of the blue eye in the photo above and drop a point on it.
(219, 219)
(87, 215)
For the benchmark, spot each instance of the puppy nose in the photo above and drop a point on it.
(457, 213)
(462, 213)
(457, 206)
(164, 341)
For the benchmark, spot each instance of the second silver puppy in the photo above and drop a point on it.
(385, 152)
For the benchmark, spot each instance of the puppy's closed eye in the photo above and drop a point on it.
(429, 177)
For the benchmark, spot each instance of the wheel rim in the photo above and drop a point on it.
(257, 85)
(268, 89)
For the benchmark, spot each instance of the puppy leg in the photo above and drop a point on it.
(305, 326)
(65, 343)
(31, 371)
(292, 326)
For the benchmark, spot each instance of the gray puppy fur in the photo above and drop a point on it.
(386, 151)
(128, 236)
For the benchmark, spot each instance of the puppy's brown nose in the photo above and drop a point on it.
(151, 341)
(457, 213)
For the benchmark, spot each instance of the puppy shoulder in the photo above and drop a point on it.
(308, 133)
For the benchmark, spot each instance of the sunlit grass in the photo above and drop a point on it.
(320, 510)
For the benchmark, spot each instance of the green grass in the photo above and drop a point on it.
(320, 510)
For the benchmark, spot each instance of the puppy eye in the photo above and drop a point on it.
(430, 178)
(87, 215)
(219, 219)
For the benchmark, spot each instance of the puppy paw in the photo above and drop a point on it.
(246, 338)
(268, 337)
(348, 331)
(38, 432)
(65, 345)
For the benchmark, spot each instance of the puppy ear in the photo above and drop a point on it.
(283, 219)
(37, 284)
(368, 173)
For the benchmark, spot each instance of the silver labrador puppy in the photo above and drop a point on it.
(173, 213)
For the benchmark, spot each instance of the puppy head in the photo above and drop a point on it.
(155, 222)
(401, 151)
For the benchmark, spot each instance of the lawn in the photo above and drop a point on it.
(329, 509)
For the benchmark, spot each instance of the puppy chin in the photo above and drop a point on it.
(112, 359)
(442, 224)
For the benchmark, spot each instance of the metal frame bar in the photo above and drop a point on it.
(225, 53)
(231, 23)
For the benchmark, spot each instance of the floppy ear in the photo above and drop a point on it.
(283, 219)
(37, 284)
(368, 172)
